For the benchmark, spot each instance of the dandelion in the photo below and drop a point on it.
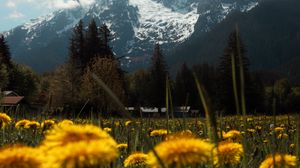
(4, 120)
(20, 157)
(106, 129)
(250, 130)
(159, 132)
(122, 146)
(228, 153)
(62, 135)
(82, 154)
(281, 160)
(136, 160)
(181, 152)
(47, 124)
(279, 129)
(21, 123)
(127, 123)
(232, 134)
(65, 122)
(32, 125)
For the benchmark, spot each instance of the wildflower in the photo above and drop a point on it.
(65, 122)
(250, 130)
(281, 160)
(106, 129)
(4, 120)
(232, 134)
(21, 123)
(282, 136)
(122, 146)
(20, 157)
(159, 132)
(82, 154)
(62, 135)
(182, 152)
(279, 129)
(228, 153)
(47, 123)
(32, 125)
(136, 159)
(127, 123)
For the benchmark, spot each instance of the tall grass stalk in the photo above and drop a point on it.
(234, 82)
(167, 102)
(113, 97)
(209, 114)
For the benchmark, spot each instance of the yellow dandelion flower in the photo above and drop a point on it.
(4, 120)
(250, 130)
(20, 157)
(232, 134)
(282, 136)
(181, 152)
(292, 146)
(32, 125)
(127, 123)
(47, 124)
(281, 160)
(122, 146)
(159, 132)
(106, 129)
(279, 129)
(136, 159)
(21, 123)
(178, 135)
(65, 122)
(81, 155)
(228, 153)
(62, 135)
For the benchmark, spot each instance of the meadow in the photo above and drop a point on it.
(248, 141)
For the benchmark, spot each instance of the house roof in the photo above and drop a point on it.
(11, 100)
(9, 93)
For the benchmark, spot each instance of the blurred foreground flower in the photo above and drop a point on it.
(62, 135)
(281, 160)
(181, 152)
(65, 122)
(82, 155)
(20, 157)
(136, 160)
(122, 146)
(228, 153)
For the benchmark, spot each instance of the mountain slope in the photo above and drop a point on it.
(136, 25)
(271, 33)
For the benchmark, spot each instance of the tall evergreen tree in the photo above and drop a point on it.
(185, 89)
(158, 74)
(92, 41)
(77, 47)
(231, 58)
(5, 57)
(105, 38)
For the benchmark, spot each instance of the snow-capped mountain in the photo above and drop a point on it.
(42, 43)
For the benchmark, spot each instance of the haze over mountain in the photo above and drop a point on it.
(189, 31)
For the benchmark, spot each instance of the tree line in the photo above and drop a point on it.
(72, 89)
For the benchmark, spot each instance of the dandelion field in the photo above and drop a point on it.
(252, 141)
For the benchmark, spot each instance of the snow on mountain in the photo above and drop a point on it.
(162, 24)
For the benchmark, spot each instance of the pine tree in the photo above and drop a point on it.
(77, 47)
(158, 74)
(185, 88)
(105, 38)
(5, 57)
(227, 101)
(92, 41)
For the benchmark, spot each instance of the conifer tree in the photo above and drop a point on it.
(158, 73)
(77, 47)
(92, 41)
(5, 57)
(227, 101)
(105, 38)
